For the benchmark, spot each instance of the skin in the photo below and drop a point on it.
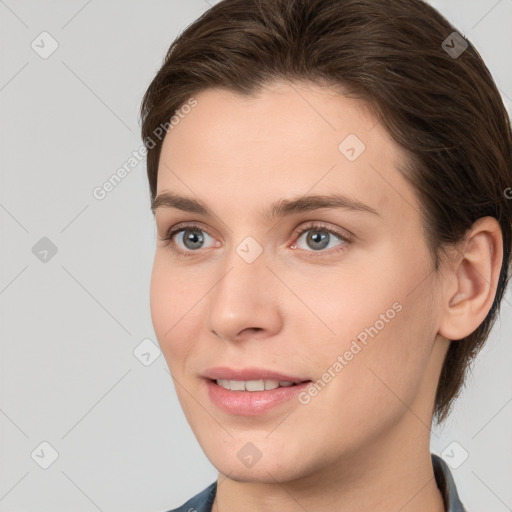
(363, 442)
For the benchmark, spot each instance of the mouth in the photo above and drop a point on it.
(251, 392)
(254, 385)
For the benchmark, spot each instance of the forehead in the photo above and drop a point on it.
(286, 139)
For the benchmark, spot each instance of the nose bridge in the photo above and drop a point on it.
(245, 265)
(240, 298)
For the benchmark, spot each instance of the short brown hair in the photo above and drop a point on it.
(444, 110)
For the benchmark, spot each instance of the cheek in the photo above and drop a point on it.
(383, 335)
(161, 300)
(172, 303)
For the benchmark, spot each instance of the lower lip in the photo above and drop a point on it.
(251, 403)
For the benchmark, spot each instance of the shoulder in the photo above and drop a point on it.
(201, 502)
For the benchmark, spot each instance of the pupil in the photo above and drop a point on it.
(193, 239)
(318, 239)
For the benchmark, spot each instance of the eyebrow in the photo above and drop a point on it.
(280, 208)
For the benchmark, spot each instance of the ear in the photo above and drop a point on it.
(471, 279)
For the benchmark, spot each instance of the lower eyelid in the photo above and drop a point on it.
(341, 247)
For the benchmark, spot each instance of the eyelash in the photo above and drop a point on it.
(313, 226)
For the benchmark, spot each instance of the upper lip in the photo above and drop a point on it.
(222, 372)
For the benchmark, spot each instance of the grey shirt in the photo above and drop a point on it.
(203, 501)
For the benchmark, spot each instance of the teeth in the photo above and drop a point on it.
(252, 385)
(271, 384)
(236, 385)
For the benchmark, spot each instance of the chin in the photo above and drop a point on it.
(261, 461)
(263, 473)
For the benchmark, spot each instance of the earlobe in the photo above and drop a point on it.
(475, 272)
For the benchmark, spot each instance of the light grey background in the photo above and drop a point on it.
(69, 326)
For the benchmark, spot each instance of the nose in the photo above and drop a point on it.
(245, 302)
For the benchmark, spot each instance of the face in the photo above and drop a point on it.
(297, 257)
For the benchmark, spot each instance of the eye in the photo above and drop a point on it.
(319, 238)
(192, 238)
(189, 239)
(186, 239)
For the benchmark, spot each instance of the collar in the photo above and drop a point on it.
(446, 484)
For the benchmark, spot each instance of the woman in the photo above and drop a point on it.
(334, 244)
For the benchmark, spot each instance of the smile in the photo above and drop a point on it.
(253, 385)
